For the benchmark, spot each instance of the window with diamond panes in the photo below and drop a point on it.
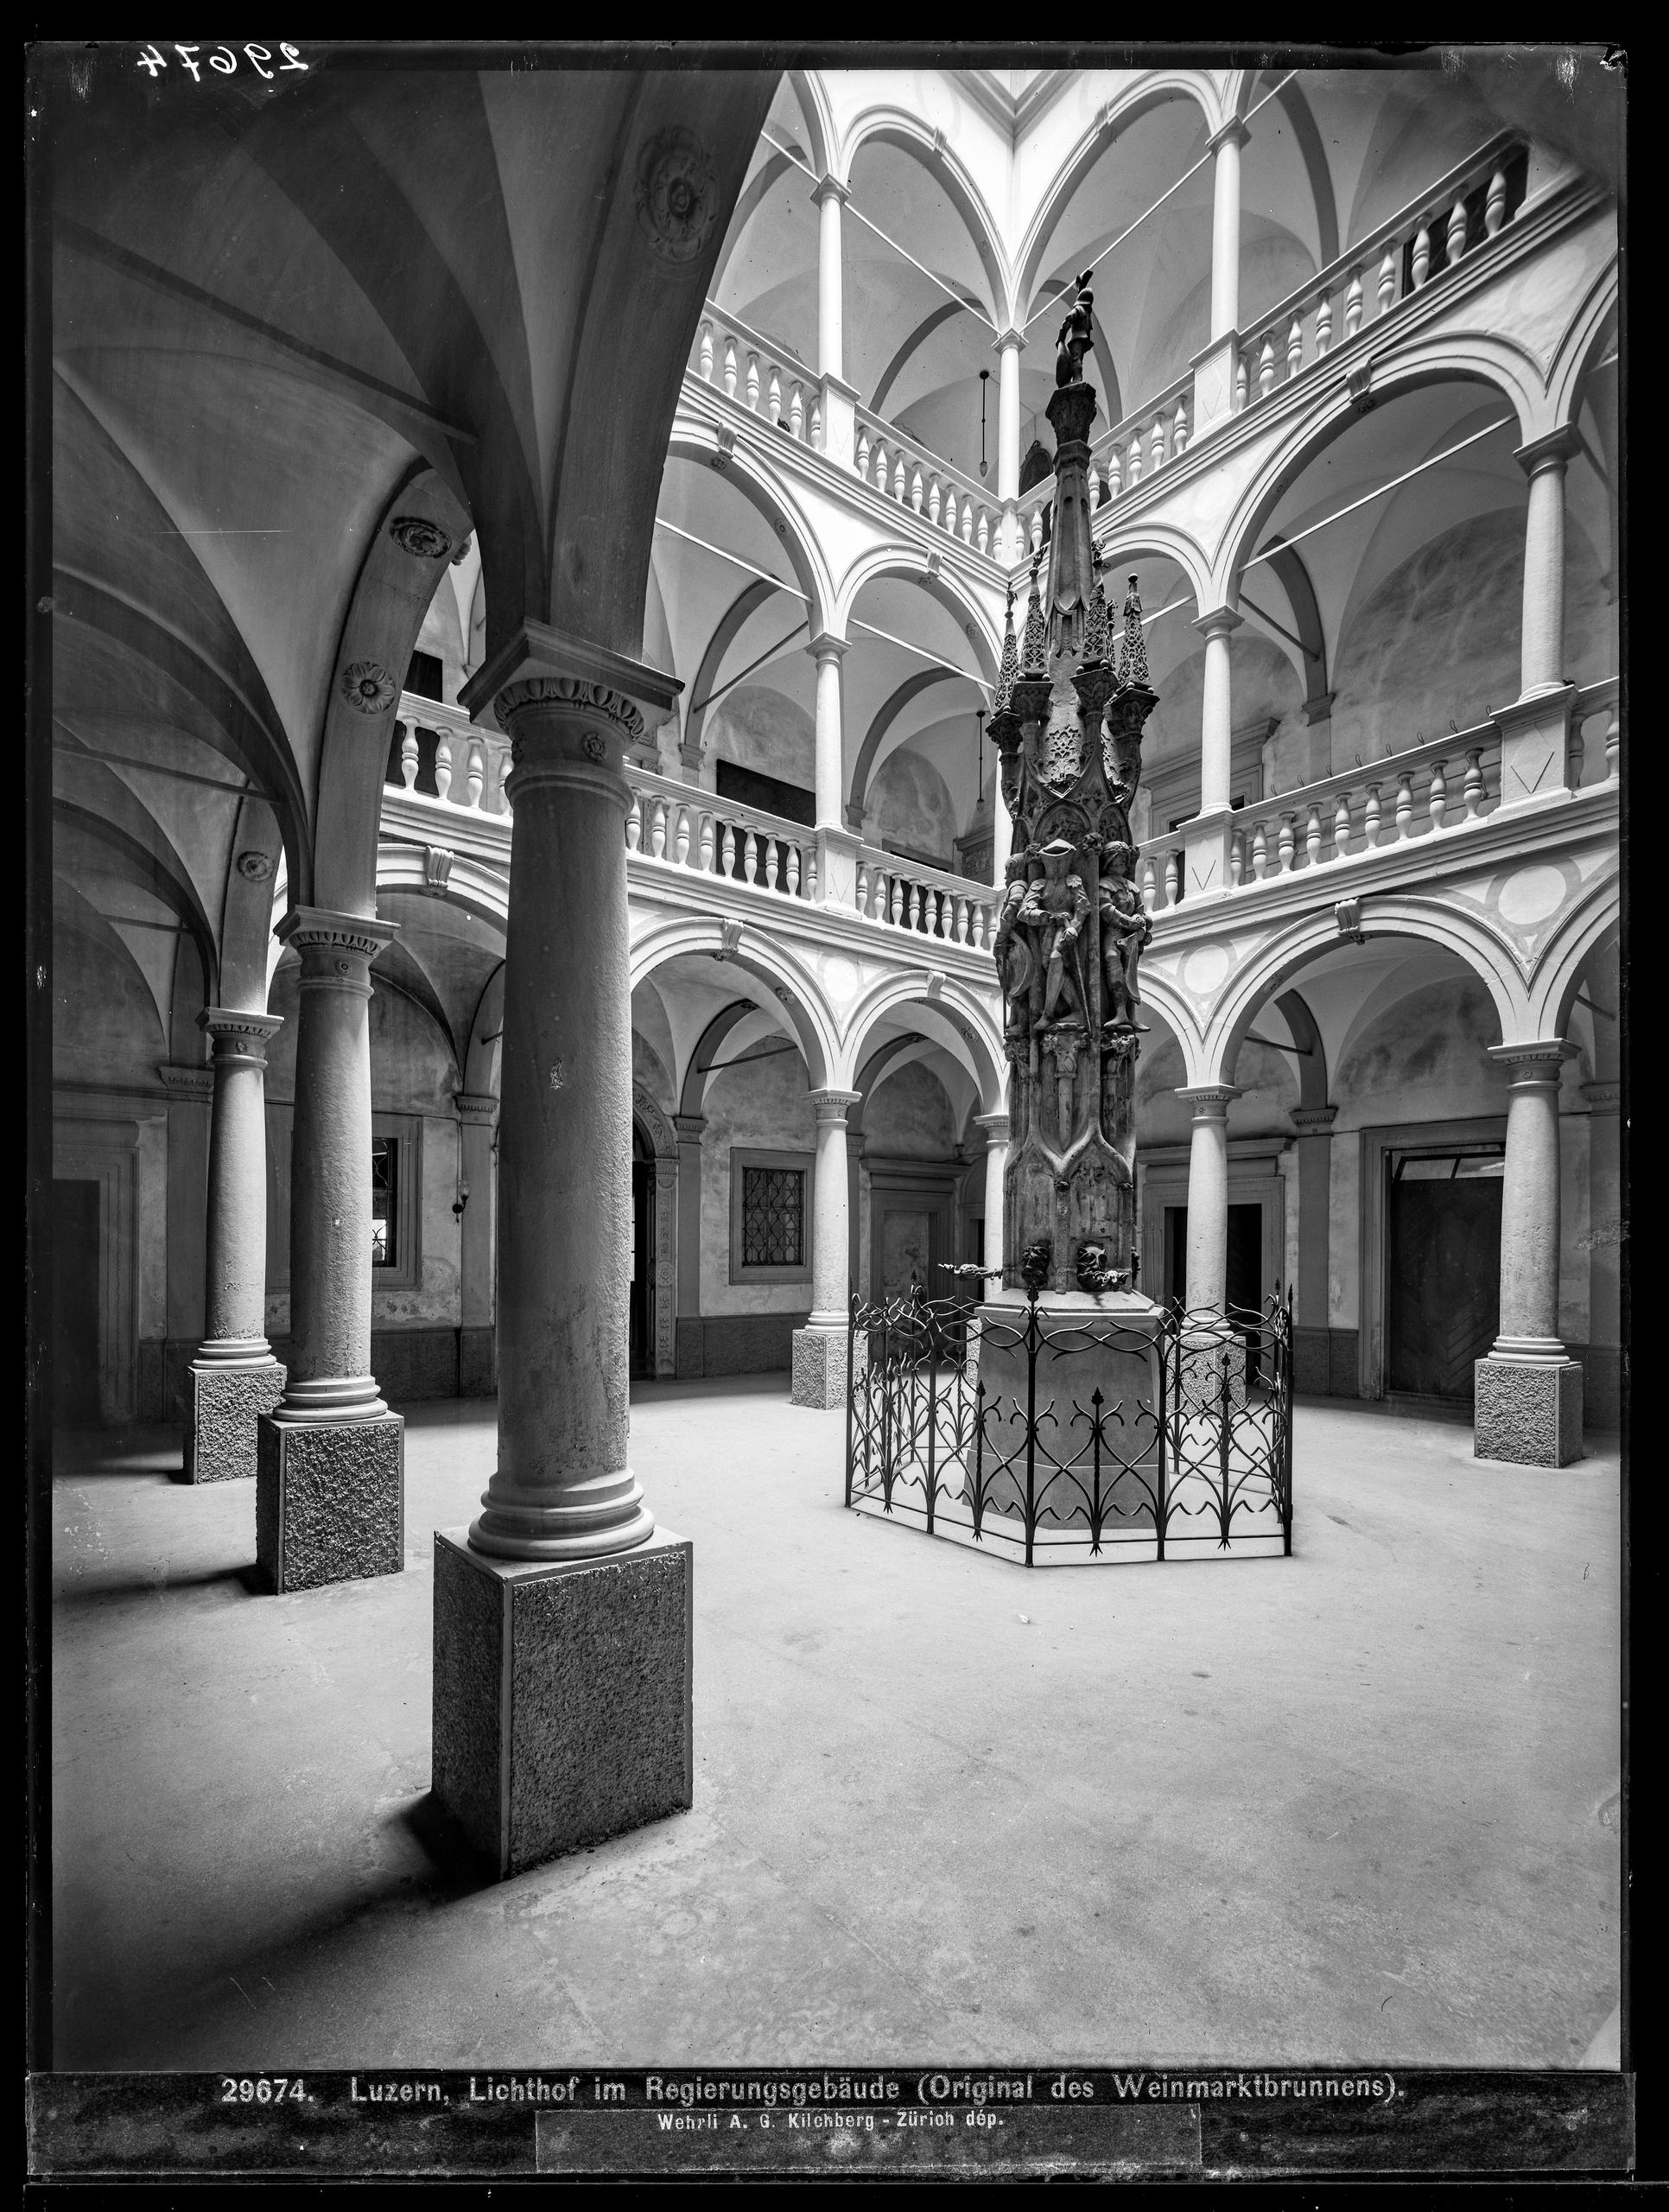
(773, 1215)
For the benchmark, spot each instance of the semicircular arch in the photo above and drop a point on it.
(958, 1018)
(695, 440)
(789, 980)
(898, 127)
(1558, 972)
(942, 585)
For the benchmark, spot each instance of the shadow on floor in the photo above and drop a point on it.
(249, 1579)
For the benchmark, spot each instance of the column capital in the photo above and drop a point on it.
(323, 932)
(1210, 1101)
(1232, 133)
(475, 1106)
(1313, 1121)
(834, 1105)
(997, 1126)
(1537, 1060)
(1603, 1098)
(1010, 337)
(1318, 707)
(690, 1127)
(1219, 622)
(828, 187)
(187, 1079)
(251, 1030)
(539, 654)
(827, 646)
(1553, 450)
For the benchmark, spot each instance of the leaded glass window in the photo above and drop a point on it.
(384, 1201)
(773, 1217)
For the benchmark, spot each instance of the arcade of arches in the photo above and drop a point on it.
(524, 848)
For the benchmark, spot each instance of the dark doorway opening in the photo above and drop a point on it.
(1442, 1270)
(1243, 1285)
(640, 1330)
(75, 1305)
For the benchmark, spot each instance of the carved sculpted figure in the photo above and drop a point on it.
(1012, 954)
(1126, 930)
(1075, 336)
(1052, 915)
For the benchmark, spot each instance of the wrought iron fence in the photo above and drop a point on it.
(1167, 1434)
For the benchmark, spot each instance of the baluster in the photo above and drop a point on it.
(958, 919)
(1114, 474)
(707, 842)
(968, 520)
(1267, 367)
(898, 480)
(1150, 889)
(950, 510)
(752, 841)
(1036, 533)
(792, 878)
(754, 381)
(770, 844)
(935, 499)
(982, 532)
(504, 781)
(1135, 475)
(1323, 325)
(810, 878)
(442, 762)
(917, 904)
(1389, 280)
(1370, 820)
(796, 410)
(634, 824)
(1236, 859)
(1242, 382)
(774, 398)
(1173, 880)
(730, 368)
(1613, 745)
(707, 352)
(1312, 837)
(1156, 448)
(863, 886)
(898, 901)
(987, 927)
(817, 424)
(1455, 239)
(1341, 826)
(658, 831)
(1179, 430)
(1294, 348)
(680, 837)
(1436, 799)
(1495, 207)
(1422, 261)
(728, 851)
(1404, 804)
(1472, 789)
(862, 454)
(475, 776)
(1353, 304)
(1287, 842)
(915, 487)
(408, 755)
(1261, 850)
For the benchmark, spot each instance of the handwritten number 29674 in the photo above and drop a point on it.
(223, 58)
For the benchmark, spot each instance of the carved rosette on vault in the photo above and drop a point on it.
(1072, 925)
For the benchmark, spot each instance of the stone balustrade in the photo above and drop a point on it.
(470, 764)
(905, 471)
(1131, 452)
(687, 828)
(1461, 212)
(767, 378)
(907, 896)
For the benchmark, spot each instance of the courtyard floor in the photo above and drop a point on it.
(1360, 1804)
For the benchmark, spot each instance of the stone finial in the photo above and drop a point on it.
(1095, 620)
(1035, 648)
(1010, 665)
(1133, 650)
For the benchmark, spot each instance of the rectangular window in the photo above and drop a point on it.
(385, 1202)
(773, 1217)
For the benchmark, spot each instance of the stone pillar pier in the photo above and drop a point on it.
(329, 1501)
(1535, 731)
(1010, 344)
(820, 1347)
(562, 1615)
(1528, 1402)
(687, 1325)
(1210, 1342)
(837, 847)
(234, 1379)
(1205, 857)
(477, 1367)
(1214, 368)
(996, 1128)
(1312, 1344)
(840, 398)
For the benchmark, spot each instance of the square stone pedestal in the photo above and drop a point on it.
(1527, 1412)
(329, 1501)
(1108, 1343)
(563, 1695)
(223, 1405)
(1202, 1364)
(820, 1367)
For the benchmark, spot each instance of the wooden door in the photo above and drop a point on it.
(1443, 1283)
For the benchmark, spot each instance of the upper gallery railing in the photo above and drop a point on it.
(468, 765)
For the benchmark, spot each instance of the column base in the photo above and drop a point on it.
(1527, 1412)
(563, 1696)
(223, 1405)
(329, 1501)
(820, 1367)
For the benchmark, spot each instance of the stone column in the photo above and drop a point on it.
(563, 1621)
(234, 1379)
(1312, 1345)
(1535, 731)
(1205, 859)
(837, 846)
(996, 1128)
(329, 1502)
(477, 1366)
(1213, 367)
(840, 398)
(820, 1348)
(1010, 345)
(690, 1349)
(1528, 1404)
(1207, 1193)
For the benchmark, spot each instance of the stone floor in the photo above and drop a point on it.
(1360, 1804)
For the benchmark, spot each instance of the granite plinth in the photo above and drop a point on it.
(1108, 1344)
(820, 1366)
(329, 1501)
(223, 1406)
(1527, 1412)
(563, 1695)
